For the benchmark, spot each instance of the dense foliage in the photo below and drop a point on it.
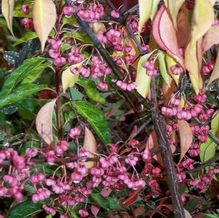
(109, 108)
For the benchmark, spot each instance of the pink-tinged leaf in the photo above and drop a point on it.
(44, 122)
(145, 7)
(7, 12)
(91, 145)
(186, 137)
(165, 34)
(143, 81)
(215, 73)
(95, 209)
(211, 38)
(44, 19)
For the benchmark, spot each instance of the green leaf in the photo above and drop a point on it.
(27, 36)
(205, 215)
(20, 94)
(91, 91)
(108, 203)
(29, 67)
(75, 94)
(95, 118)
(26, 209)
(208, 150)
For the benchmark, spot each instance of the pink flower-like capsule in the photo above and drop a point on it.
(83, 213)
(25, 9)
(27, 23)
(49, 210)
(68, 11)
(176, 70)
(102, 86)
(114, 14)
(59, 61)
(148, 65)
(74, 132)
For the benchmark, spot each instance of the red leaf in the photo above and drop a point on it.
(131, 199)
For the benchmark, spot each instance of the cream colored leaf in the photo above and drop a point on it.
(142, 79)
(44, 122)
(215, 73)
(91, 145)
(211, 38)
(7, 12)
(44, 19)
(186, 137)
(145, 7)
(187, 214)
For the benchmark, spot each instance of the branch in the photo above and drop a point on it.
(166, 155)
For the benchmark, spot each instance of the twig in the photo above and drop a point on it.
(166, 155)
(210, 162)
(214, 137)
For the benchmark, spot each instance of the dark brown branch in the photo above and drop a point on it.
(166, 155)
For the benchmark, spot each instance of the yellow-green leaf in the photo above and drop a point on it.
(215, 124)
(174, 7)
(142, 79)
(68, 79)
(154, 8)
(44, 18)
(200, 22)
(7, 12)
(193, 54)
(145, 7)
(163, 68)
(192, 63)
(171, 62)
